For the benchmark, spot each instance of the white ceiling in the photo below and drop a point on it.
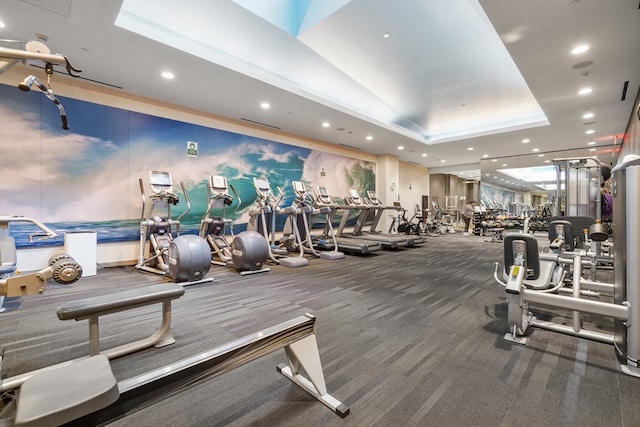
(453, 75)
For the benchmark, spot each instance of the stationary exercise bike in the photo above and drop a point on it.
(62, 268)
(248, 251)
(184, 258)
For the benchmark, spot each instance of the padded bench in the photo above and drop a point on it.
(93, 307)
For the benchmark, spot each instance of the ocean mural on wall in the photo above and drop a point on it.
(87, 178)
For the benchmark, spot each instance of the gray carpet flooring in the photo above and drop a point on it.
(411, 337)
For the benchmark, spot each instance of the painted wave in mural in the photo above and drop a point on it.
(88, 178)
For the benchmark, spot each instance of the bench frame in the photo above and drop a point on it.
(93, 307)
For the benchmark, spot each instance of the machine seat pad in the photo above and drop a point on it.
(60, 395)
(544, 279)
(118, 301)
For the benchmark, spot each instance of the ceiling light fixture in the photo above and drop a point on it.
(584, 91)
(424, 154)
(590, 131)
(469, 148)
(168, 75)
(265, 105)
(587, 115)
(2, 24)
(326, 124)
(535, 150)
(580, 49)
(484, 156)
(592, 149)
(442, 161)
(369, 138)
(386, 35)
(526, 141)
(400, 147)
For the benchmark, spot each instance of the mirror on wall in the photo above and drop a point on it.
(529, 181)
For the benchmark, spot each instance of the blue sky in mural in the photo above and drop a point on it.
(87, 177)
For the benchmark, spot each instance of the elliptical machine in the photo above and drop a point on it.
(263, 220)
(248, 251)
(302, 220)
(183, 259)
(62, 268)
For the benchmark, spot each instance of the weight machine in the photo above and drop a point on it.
(62, 268)
(532, 278)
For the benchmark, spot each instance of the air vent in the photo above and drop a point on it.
(350, 146)
(625, 86)
(259, 123)
(589, 123)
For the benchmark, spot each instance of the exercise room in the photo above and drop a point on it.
(319, 213)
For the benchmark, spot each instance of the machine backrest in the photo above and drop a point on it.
(578, 224)
(160, 181)
(527, 245)
(561, 229)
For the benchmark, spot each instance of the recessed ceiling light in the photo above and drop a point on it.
(424, 154)
(326, 124)
(587, 115)
(547, 161)
(469, 148)
(1, 24)
(591, 143)
(535, 150)
(592, 149)
(168, 75)
(369, 138)
(590, 131)
(580, 49)
(484, 156)
(504, 165)
(540, 155)
(526, 141)
(442, 161)
(386, 35)
(400, 147)
(494, 160)
(265, 105)
(584, 91)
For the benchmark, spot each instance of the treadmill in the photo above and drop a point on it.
(323, 201)
(355, 202)
(375, 203)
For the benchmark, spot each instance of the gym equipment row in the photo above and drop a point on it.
(557, 279)
(87, 393)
